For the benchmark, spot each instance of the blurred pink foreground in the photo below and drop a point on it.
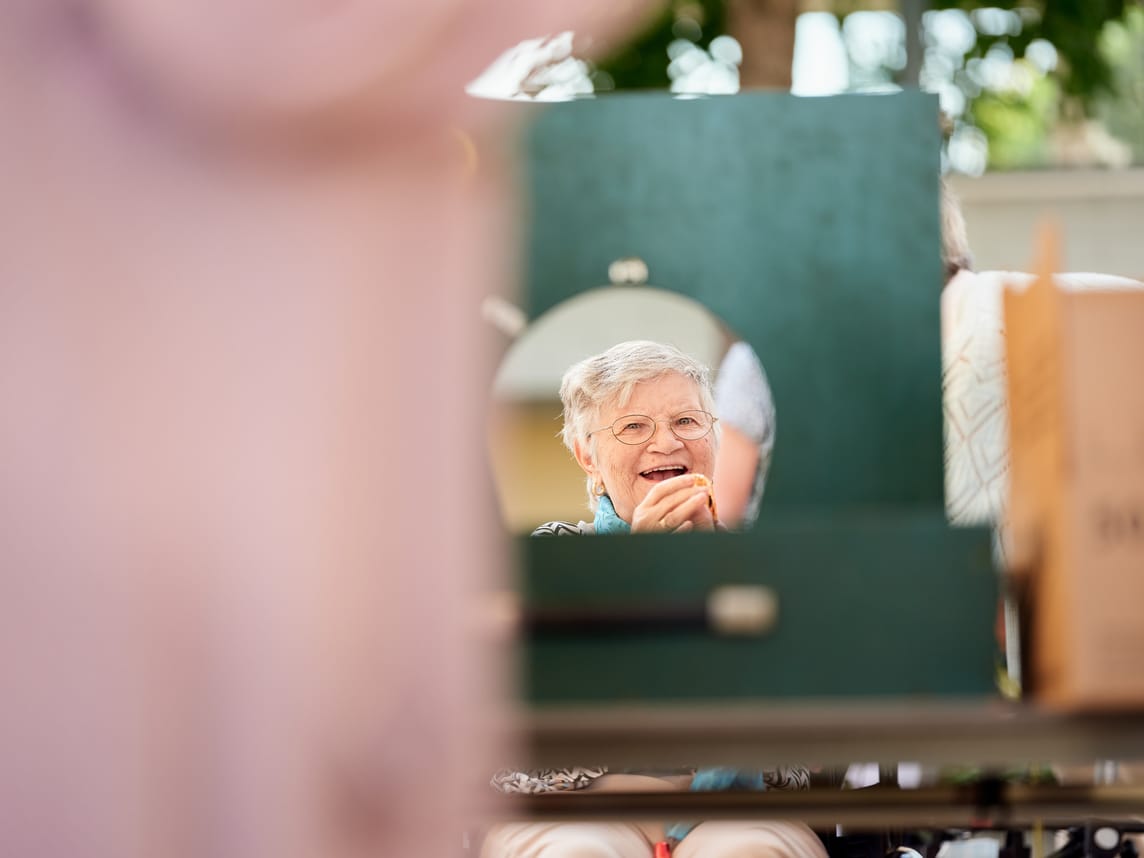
(242, 248)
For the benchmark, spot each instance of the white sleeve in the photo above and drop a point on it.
(743, 396)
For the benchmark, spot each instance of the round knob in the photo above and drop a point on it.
(629, 271)
(742, 610)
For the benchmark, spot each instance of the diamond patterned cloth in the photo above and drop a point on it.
(973, 387)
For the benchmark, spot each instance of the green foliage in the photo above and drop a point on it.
(642, 62)
(1016, 124)
(1122, 46)
(1035, 773)
(1099, 72)
(1072, 26)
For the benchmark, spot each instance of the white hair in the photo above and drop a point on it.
(955, 253)
(609, 378)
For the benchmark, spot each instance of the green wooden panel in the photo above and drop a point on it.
(875, 603)
(809, 224)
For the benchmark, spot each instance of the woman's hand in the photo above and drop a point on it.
(675, 506)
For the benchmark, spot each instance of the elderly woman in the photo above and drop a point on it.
(638, 419)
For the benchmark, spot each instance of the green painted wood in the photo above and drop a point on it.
(875, 603)
(810, 225)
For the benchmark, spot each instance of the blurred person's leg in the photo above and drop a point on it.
(585, 839)
(241, 252)
(568, 840)
(753, 839)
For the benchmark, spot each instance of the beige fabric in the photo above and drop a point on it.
(752, 839)
(569, 840)
(757, 839)
(584, 839)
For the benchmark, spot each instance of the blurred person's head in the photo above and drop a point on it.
(955, 253)
(635, 415)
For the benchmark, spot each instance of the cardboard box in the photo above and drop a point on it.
(1076, 507)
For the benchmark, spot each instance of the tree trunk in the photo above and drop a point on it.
(765, 29)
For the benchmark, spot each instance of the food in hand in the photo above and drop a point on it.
(702, 482)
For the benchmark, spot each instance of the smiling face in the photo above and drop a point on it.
(628, 471)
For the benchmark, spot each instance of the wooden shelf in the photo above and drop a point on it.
(979, 732)
(983, 806)
(984, 733)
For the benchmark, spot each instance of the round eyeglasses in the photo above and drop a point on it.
(639, 428)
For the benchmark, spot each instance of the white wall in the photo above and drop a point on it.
(1100, 213)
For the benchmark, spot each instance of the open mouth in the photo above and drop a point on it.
(658, 475)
